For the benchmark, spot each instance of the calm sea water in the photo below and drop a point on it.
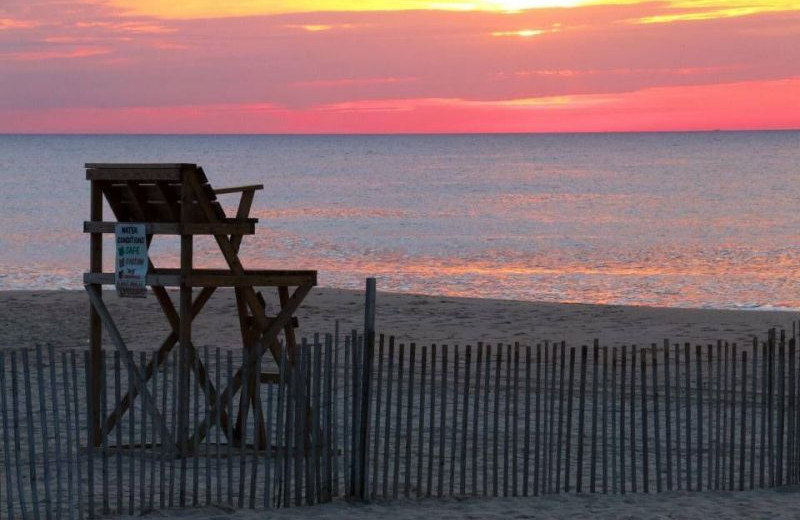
(696, 219)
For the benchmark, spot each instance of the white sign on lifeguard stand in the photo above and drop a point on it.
(131, 268)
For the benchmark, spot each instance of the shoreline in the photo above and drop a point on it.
(59, 318)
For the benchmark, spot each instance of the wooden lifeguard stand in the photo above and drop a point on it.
(176, 199)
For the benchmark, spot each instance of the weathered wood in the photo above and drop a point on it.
(632, 401)
(43, 416)
(496, 423)
(678, 433)
(7, 438)
(779, 459)
(581, 411)
(668, 414)
(431, 438)
(178, 228)
(688, 404)
(401, 359)
(622, 383)
(486, 374)
(568, 456)
(54, 392)
(526, 448)
(421, 425)
(71, 499)
(699, 392)
(645, 444)
(442, 424)
(595, 379)
(732, 424)
(377, 417)
(615, 487)
(656, 415)
(561, 400)
(743, 421)
(537, 459)
(409, 417)
(90, 445)
(454, 422)
(506, 426)
(551, 455)
(514, 401)
(95, 324)
(475, 413)
(464, 421)
(753, 414)
(22, 490)
(718, 424)
(709, 412)
(75, 401)
(764, 402)
(388, 423)
(605, 420)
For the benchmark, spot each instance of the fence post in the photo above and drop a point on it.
(361, 487)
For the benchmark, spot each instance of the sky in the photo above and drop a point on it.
(398, 66)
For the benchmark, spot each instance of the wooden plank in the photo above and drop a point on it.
(743, 422)
(409, 419)
(526, 448)
(22, 489)
(43, 416)
(615, 487)
(31, 436)
(238, 189)
(656, 415)
(763, 429)
(75, 401)
(453, 424)
(421, 425)
(645, 443)
(377, 417)
(90, 444)
(208, 278)
(432, 428)
(632, 401)
(118, 429)
(605, 420)
(568, 432)
(718, 413)
(790, 419)
(7, 438)
(134, 172)
(104, 438)
(178, 228)
(710, 417)
(142, 436)
(54, 392)
(475, 412)
(388, 420)
(699, 391)
(269, 439)
(515, 416)
(506, 421)
(551, 451)
(779, 480)
(131, 441)
(753, 414)
(678, 433)
(622, 382)
(595, 379)
(487, 368)
(581, 421)
(442, 423)
(95, 323)
(771, 407)
(464, 420)
(71, 507)
(537, 459)
(152, 491)
(547, 419)
(732, 424)
(496, 422)
(668, 415)
(561, 400)
(688, 364)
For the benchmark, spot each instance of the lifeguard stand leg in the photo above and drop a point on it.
(95, 324)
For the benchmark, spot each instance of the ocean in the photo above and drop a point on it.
(666, 219)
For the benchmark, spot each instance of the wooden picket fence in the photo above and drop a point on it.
(368, 421)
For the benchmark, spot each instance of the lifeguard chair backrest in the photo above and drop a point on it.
(151, 192)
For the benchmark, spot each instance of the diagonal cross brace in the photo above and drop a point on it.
(138, 378)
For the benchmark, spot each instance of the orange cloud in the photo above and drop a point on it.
(54, 54)
(10, 23)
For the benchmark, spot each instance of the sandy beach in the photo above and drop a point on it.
(60, 318)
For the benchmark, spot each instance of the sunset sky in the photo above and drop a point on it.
(387, 66)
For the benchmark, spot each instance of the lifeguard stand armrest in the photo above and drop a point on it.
(237, 189)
